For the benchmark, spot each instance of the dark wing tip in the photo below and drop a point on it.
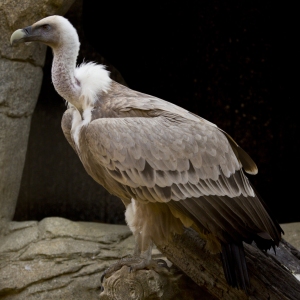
(234, 265)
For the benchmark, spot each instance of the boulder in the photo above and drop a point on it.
(60, 259)
(20, 83)
(292, 233)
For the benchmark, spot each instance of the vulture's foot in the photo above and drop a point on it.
(135, 263)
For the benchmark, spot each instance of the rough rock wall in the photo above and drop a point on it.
(54, 182)
(60, 259)
(20, 82)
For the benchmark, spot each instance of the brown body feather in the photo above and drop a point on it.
(181, 170)
(170, 167)
(143, 148)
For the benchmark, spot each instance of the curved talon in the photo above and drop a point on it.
(163, 263)
(102, 277)
(101, 281)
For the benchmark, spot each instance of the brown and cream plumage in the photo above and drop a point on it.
(171, 168)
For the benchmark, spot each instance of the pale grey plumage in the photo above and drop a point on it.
(170, 167)
(162, 153)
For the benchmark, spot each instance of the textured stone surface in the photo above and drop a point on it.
(292, 233)
(54, 182)
(20, 82)
(19, 88)
(60, 259)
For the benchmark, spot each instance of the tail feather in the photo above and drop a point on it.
(234, 265)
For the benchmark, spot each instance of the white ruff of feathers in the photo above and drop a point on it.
(81, 86)
(94, 80)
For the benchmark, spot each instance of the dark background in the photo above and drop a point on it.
(233, 63)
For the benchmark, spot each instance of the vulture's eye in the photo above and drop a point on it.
(46, 27)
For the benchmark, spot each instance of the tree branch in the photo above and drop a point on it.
(271, 276)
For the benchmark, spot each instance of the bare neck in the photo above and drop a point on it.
(63, 78)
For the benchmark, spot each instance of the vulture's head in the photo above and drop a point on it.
(53, 31)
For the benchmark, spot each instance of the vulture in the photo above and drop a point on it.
(171, 168)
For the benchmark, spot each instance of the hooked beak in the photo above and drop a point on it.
(21, 36)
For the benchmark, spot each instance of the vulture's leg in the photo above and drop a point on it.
(139, 261)
(145, 257)
(142, 256)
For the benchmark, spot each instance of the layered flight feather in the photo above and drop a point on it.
(161, 153)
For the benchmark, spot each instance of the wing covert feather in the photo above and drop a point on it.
(192, 158)
(166, 154)
(66, 126)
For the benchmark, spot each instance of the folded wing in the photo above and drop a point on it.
(191, 166)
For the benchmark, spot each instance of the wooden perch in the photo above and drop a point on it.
(271, 276)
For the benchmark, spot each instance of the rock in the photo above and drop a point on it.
(292, 233)
(20, 82)
(53, 173)
(18, 96)
(60, 259)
